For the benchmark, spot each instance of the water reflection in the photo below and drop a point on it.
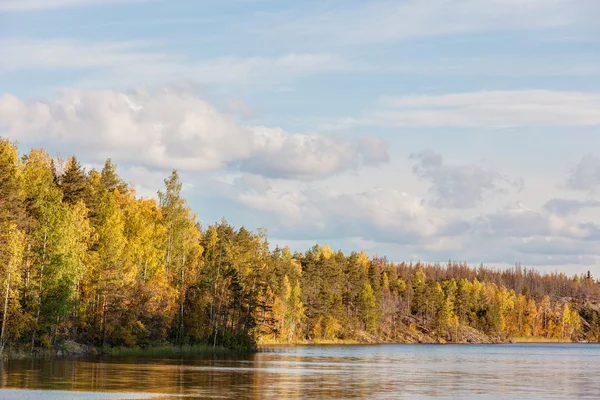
(387, 371)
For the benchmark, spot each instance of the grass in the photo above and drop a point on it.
(18, 353)
(540, 339)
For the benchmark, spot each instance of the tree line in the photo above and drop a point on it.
(82, 257)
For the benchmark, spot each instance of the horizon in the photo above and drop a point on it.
(441, 130)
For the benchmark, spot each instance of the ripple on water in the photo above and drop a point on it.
(530, 371)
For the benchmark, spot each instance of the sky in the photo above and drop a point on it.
(414, 129)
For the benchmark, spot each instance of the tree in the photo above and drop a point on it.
(419, 300)
(182, 249)
(73, 182)
(295, 309)
(11, 260)
(47, 213)
(368, 304)
(110, 179)
(566, 324)
(12, 210)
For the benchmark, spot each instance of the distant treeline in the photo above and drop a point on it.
(83, 258)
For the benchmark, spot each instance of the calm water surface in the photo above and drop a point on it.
(518, 371)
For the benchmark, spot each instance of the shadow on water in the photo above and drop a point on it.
(384, 371)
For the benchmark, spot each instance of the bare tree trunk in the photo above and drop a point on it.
(145, 268)
(75, 314)
(169, 245)
(181, 304)
(27, 266)
(5, 315)
(217, 320)
(212, 301)
(249, 305)
(104, 318)
(39, 305)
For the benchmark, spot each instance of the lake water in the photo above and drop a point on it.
(517, 371)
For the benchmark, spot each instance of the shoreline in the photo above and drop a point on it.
(77, 350)
(512, 340)
(544, 340)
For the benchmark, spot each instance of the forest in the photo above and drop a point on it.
(83, 258)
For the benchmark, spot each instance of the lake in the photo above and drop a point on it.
(524, 371)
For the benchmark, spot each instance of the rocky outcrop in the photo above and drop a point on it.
(72, 348)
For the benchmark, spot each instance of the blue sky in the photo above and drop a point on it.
(462, 129)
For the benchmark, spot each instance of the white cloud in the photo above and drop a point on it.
(237, 106)
(373, 150)
(302, 157)
(114, 63)
(378, 214)
(169, 129)
(586, 174)
(38, 5)
(458, 186)
(566, 207)
(520, 221)
(389, 21)
(494, 109)
(72, 54)
(405, 227)
(485, 109)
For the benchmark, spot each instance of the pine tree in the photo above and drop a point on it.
(73, 182)
(110, 179)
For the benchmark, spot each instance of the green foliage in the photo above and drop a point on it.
(368, 305)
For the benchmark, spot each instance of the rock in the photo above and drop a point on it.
(69, 347)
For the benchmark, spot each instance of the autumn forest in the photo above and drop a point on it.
(83, 258)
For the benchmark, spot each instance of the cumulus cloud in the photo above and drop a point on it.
(458, 186)
(406, 227)
(373, 150)
(239, 107)
(555, 246)
(170, 129)
(586, 174)
(378, 214)
(569, 206)
(522, 222)
(302, 157)
(513, 221)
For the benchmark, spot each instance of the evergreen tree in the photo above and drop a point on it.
(73, 182)
(110, 179)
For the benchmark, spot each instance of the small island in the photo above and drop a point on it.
(87, 266)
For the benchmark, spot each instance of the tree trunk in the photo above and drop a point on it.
(182, 301)
(145, 268)
(5, 314)
(169, 244)
(217, 322)
(249, 305)
(104, 319)
(39, 303)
